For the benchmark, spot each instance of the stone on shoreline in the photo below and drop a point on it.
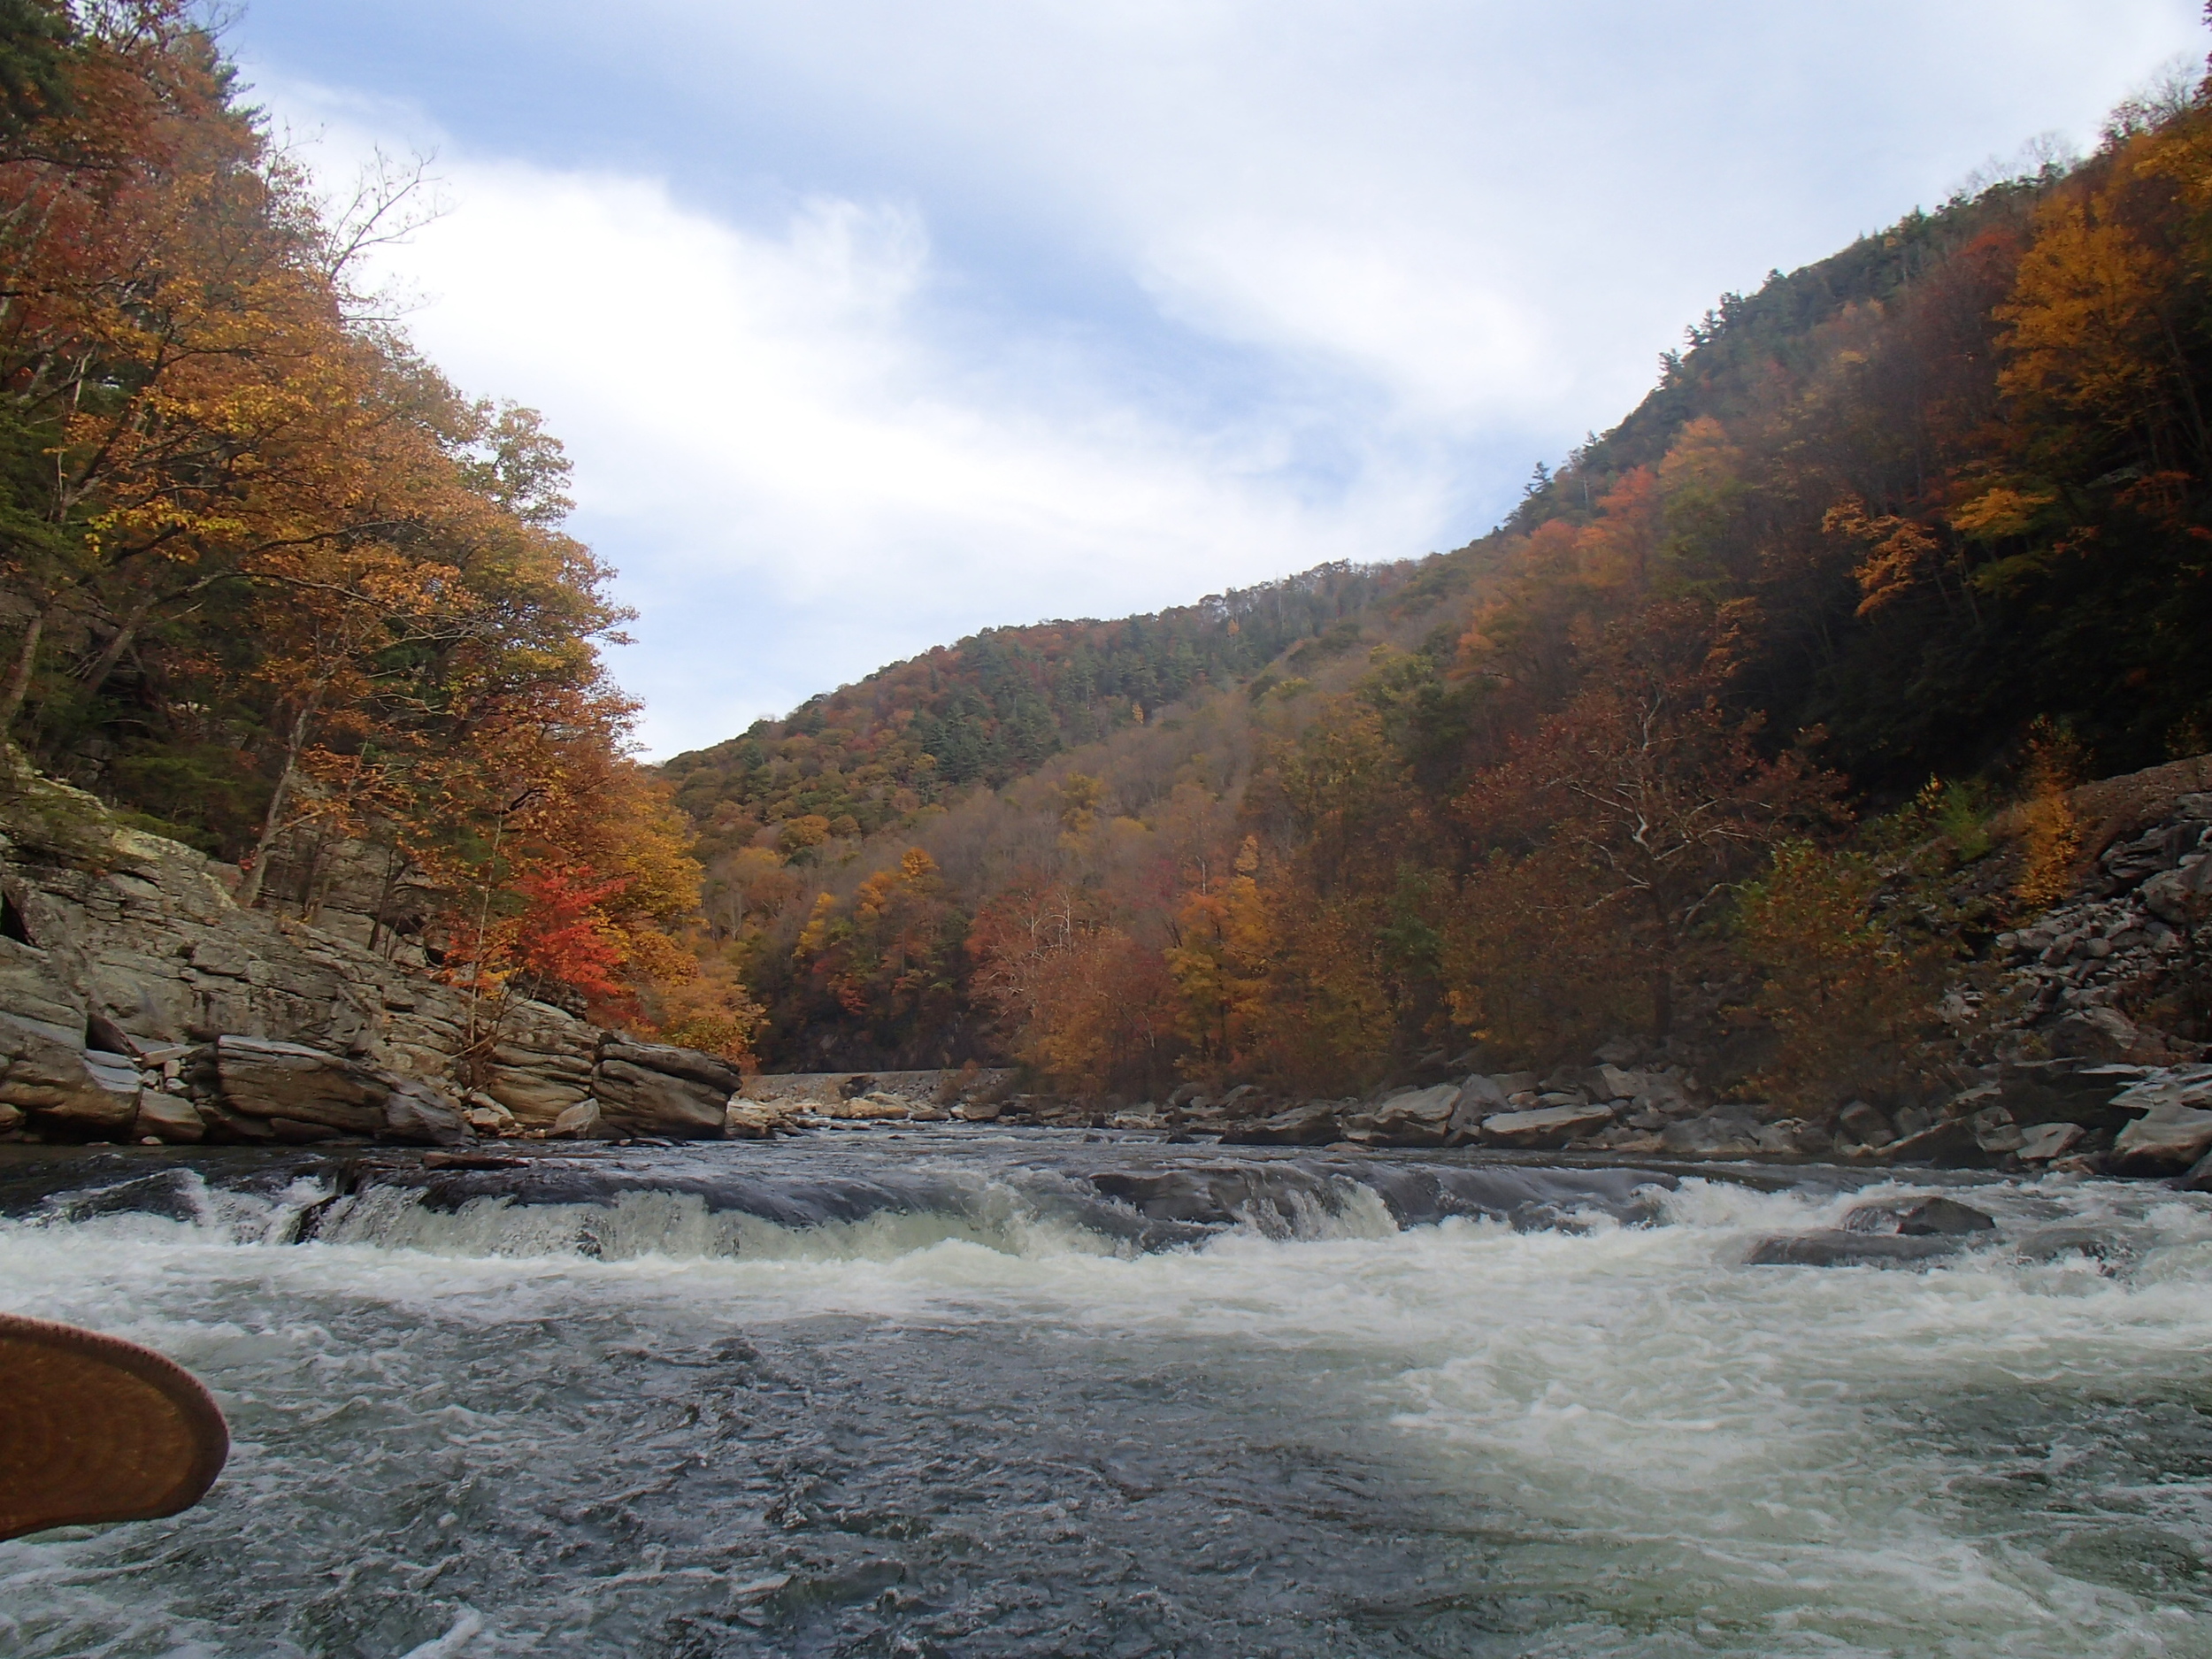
(1313, 1124)
(312, 1094)
(1417, 1118)
(2042, 1142)
(1714, 1135)
(749, 1120)
(1949, 1144)
(654, 1089)
(583, 1121)
(60, 1086)
(1546, 1127)
(2168, 1138)
(171, 1118)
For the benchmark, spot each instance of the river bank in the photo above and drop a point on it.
(140, 1003)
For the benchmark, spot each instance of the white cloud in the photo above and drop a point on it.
(1068, 307)
(798, 484)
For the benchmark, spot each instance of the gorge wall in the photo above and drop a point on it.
(139, 1000)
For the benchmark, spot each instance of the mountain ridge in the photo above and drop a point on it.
(1920, 508)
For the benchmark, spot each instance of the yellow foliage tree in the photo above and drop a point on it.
(2052, 844)
(1847, 996)
(1220, 965)
(2085, 327)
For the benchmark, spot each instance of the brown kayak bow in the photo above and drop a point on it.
(93, 1428)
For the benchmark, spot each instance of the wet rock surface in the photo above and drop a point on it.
(1840, 1248)
(1920, 1219)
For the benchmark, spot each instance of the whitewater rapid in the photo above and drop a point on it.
(1015, 1396)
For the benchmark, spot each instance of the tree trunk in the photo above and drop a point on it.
(273, 820)
(379, 930)
(111, 653)
(19, 687)
(1662, 971)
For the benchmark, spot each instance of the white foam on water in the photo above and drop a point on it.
(680, 1226)
(1777, 1436)
(1706, 1457)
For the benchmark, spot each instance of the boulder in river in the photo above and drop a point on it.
(1837, 1247)
(168, 1117)
(1782, 1139)
(416, 1113)
(2174, 1129)
(1994, 1132)
(2164, 1141)
(542, 1062)
(2073, 1091)
(291, 1080)
(1418, 1118)
(652, 1088)
(1479, 1096)
(1919, 1219)
(1949, 1144)
(754, 1120)
(1866, 1125)
(583, 1121)
(287, 1091)
(2041, 1143)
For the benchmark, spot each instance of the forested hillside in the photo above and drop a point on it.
(1904, 533)
(995, 706)
(270, 583)
(1687, 749)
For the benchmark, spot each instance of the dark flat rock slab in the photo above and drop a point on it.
(1835, 1248)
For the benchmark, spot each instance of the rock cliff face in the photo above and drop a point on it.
(2129, 930)
(138, 1001)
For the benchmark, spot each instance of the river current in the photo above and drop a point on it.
(972, 1394)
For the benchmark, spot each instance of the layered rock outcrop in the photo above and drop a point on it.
(139, 1001)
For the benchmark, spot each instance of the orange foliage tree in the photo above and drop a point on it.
(888, 957)
(1091, 1006)
(265, 569)
(1626, 817)
(1847, 993)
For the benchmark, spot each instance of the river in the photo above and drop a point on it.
(967, 1393)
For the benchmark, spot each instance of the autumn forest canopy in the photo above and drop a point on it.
(1900, 537)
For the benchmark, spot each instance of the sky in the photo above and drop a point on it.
(868, 325)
